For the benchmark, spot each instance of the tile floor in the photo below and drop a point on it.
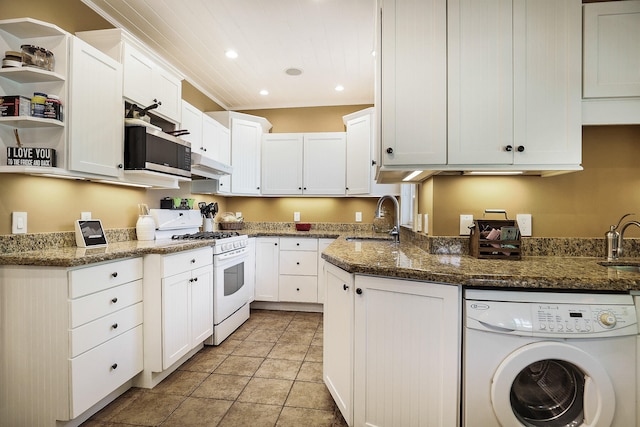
(267, 373)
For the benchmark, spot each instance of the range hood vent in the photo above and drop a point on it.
(208, 168)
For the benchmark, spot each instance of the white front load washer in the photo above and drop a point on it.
(541, 359)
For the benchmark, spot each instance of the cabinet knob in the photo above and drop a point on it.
(298, 289)
(276, 244)
(114, 300)
(114, 274)
(114, 326)
(114, 366)
(390, 150)
(359, 291)
(193, 261)
(508, 148)
(520, 148)
(299, 188)
(298, 263)
(257, 188)
(347, 188)
(373, 163)
(345, 287)
(155, 101)
(195, 279)
(304, 188)
(120, 166)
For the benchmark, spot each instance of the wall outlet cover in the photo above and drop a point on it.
(465, 222)
(358, 216)
(296, 216)
(85, 216)
(425, 228)
(418, 222)
(19, 223)
(524, 224)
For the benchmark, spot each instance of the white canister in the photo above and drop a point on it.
(145, 228)
(208, 224)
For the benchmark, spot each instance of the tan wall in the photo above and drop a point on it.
(311, 119)
(580, 204)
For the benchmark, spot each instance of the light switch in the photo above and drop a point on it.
(358, 216)
(465, 222)
(19, 223)
(296, 216)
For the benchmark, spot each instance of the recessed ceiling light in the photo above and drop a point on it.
(264, 92)
(293, 71)
(231, 54)
(339, 88)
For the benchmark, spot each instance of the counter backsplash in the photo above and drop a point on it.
(454, 245)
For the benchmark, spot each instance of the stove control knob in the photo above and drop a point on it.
(607, 319)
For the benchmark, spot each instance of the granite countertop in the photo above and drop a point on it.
(404, 260)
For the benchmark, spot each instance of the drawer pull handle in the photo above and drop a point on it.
(114, 326)
(114, 300)
(114, 274)
(298, 263)
(114, 366)
(345, 287)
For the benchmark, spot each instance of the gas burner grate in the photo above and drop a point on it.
(206, 235)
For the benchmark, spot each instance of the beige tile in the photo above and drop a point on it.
(204, 361)
(150, 409)
(266, 390)
(264, 335)
(243, 414)
(227, 346)
(181, 383)
(217, 386)
(124, 400)
(239, 365)
(289, 351)
(297, 336)
(279, 369)
(310, 371)
(302, 325)
(296, 417)
(198, 412)
(253, 348)
(314, 354)
(274, 324)
(310, 395)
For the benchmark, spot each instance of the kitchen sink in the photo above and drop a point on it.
(631, 268)
(368, 239)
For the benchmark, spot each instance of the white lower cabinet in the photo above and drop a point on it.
(75, 338)
(401, 364)
(178, 309)
(322, 245)
(267, 254)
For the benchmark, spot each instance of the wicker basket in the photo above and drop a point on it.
(231, 225)
(504, 247)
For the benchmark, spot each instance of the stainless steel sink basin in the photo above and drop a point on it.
(368, 239)
(631, 268)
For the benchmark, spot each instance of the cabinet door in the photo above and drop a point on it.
(192, 121)
(138, 76)
(322, 245)
(406, 353)
(245, 156)
(337, 370)
(480, 82)
(359, 133)
(201, 294)
(215, 140)
(267, 254)
(282, 163)
(167, 88)
(413, 82)
(250, 269)
(547, 90)
(611, 54)
(176, 323)
(325, 162)
(95, 112)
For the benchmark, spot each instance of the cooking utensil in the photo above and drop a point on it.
(180, 132)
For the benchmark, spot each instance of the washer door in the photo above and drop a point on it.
(552, 384)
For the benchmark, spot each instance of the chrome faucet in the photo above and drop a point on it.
(395, 232)
(624, 227)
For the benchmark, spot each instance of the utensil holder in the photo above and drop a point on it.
(145, 228)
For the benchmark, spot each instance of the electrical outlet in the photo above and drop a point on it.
(418, 223)
(238, 214)
(425, 228)
(524, 224)
(19, 223)
(358, 216)
(465, 222)
(85, 216)
(296, 216)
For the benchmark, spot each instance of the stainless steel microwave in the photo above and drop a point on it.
(146, 148)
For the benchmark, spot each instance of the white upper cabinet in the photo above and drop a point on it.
(216, 140)
(192, 121)
(309, 163)
(95, 138)
(413, 66)
(611, 76)
(148, 79)
(514, 82)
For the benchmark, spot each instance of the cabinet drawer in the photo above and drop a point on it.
(96, 305)
(298, 244)
(101, 370)
(101, 330)
(186, 261)
(303, 263)
(298, 288)
(88, 280)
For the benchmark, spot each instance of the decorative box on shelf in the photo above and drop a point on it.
(495, 239)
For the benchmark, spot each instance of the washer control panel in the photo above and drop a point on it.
(552, 319)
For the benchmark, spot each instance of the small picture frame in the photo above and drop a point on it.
(89, 233)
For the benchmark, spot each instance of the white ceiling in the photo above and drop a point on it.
(330, 40)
